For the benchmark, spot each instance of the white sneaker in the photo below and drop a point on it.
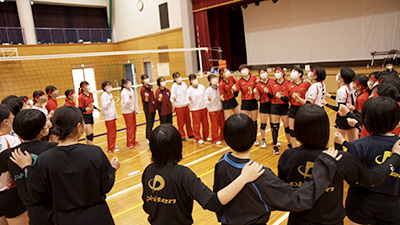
(200, 142)
(256, 143)
(209, 139)
(218, 142)
(278, 144)
(263, 144)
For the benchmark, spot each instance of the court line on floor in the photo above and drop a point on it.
(278, 222)
(145, 151)
(201, 175)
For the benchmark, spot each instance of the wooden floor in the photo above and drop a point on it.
(125, 197)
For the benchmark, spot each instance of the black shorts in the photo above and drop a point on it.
(367, 207)
(279, 109)
(341, 123)
(249, 105)
(88, 118)
(11, 204)
(96, 214)
(265, 108)
(293, 111)
(229, 104)
(42, 214)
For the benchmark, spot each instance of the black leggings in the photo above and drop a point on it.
(149, 123)
(166, 118)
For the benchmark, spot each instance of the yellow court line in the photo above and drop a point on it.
(203, 174)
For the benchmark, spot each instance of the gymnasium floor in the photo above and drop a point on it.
(125, 197)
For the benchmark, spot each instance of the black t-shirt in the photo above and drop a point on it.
(169, 191)
(253, 204)
(34, 148)
(74, 176)
(374, 150)
(296, 165)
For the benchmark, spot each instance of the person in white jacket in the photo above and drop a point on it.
(196, 94)
(109, 115)
(129, 109)
(180, 100)
(215, 110)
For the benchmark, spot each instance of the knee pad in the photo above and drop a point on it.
(90, 137)
(275, 126)
(292, 133)
(263, 126)
(287, 130)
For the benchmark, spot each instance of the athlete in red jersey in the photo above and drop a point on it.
(70, 97)
(278, 92)
(246, 85)
(52, 93)
(297, 89)
(86, 105)
(261, 94)
(227, 94)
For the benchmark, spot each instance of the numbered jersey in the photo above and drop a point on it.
(85, 102)
(275, 87)
(300, 89)
(225, 88)
(246, 87)
(262, 91)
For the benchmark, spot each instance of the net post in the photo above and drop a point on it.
(201, 64)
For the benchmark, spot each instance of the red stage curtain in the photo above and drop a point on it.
(203, 39)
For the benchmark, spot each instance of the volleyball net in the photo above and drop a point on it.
(22, 75)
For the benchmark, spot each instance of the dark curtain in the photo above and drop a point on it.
(9, 18)
(9, 15)
(220, 34)
(201, 23)
(69, 17)
(52, 16)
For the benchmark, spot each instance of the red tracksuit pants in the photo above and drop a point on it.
(217, 125)
(130, 121)
(111, 134)
(200, 117)
(183, 117)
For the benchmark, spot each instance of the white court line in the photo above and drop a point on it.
(280, 220)
(188, 164)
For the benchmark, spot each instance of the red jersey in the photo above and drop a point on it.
(360, 100)
(275, 87)
(165, 105)
(261, 91)
(298, 88)
(51, 104)
(151, 105)
(86, 101)
(67, 103)
(246, 87)
(225, 88)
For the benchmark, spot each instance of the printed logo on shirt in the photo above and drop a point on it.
(382, 158)
(307, 171)
(156, 184)
(307, 174)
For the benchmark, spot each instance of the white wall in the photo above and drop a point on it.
(301, 31)
(130, 23)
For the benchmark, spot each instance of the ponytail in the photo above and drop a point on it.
(65, 120)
